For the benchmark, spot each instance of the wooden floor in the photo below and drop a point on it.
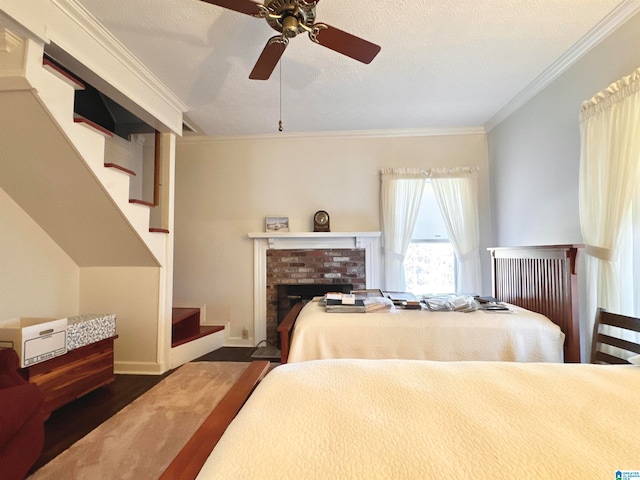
(70, 423)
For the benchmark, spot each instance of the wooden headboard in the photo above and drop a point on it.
(542, 279)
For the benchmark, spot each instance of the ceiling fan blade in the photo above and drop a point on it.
(269, 58)
(243, 6)
(345, 43)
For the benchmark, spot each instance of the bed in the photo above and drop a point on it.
(355, 418)
(543, 279)
(539, 283)
(516, 335)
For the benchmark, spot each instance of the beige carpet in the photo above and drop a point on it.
(140, 441)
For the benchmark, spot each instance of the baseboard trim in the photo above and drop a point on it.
(138, 368)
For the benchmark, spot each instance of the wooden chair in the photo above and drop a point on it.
(600, 339)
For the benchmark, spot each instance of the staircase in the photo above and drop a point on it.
(92, 146)
(54, 167)
(186, 322)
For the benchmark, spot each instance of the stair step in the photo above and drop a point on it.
(141, 202)
(184, 314)
(185, 326)
(158, 230)
(92, 125)
(182, 337)
(76, 83)
(120, 168)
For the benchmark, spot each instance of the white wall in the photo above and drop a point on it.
(37, 278)
(132, 293)
(534, 155)
(224, 190)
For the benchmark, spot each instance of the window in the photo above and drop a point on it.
(430, 262)
(629, 261)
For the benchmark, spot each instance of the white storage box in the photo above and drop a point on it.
(35, 339)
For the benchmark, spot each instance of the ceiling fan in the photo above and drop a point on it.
(291, 17)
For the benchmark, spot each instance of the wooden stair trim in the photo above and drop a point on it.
(188, 463)
(185, 326)
(141, 202)
(178, 314)
(159, 230)
(76, 83)
(93, 125)
(120, 168)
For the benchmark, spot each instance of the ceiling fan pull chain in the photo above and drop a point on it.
(280, 121)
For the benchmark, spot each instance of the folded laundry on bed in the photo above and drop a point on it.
(412, 305)
(485, 299)
(398, 298)
(451, 303)
(369, 304)
(345, 299)
(495, 307)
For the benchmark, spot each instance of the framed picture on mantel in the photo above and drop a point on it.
(277, 224)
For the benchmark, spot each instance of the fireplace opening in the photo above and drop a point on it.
(289, 295)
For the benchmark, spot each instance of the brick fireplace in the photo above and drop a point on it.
(330, 268)
(312, 259)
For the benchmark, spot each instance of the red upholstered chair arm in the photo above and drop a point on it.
(9, 359)
(21, 419)
(19, 404)
(9, 364)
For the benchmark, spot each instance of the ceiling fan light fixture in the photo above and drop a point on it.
(290, 26)
(289, 17)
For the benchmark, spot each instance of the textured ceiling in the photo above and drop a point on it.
(444, 64)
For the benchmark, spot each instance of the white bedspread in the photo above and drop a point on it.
(404, 419)
(521, 336)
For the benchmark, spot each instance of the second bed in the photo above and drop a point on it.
(518, 335)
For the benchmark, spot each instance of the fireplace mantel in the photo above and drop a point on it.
(369, 241)
(324, 240)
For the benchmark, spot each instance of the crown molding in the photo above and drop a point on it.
(79, 15)
(606, 26)
(8, 41)
(409, 132)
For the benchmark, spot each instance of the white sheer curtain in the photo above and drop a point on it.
(456, 191)
(609, 177)
(400, 195)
